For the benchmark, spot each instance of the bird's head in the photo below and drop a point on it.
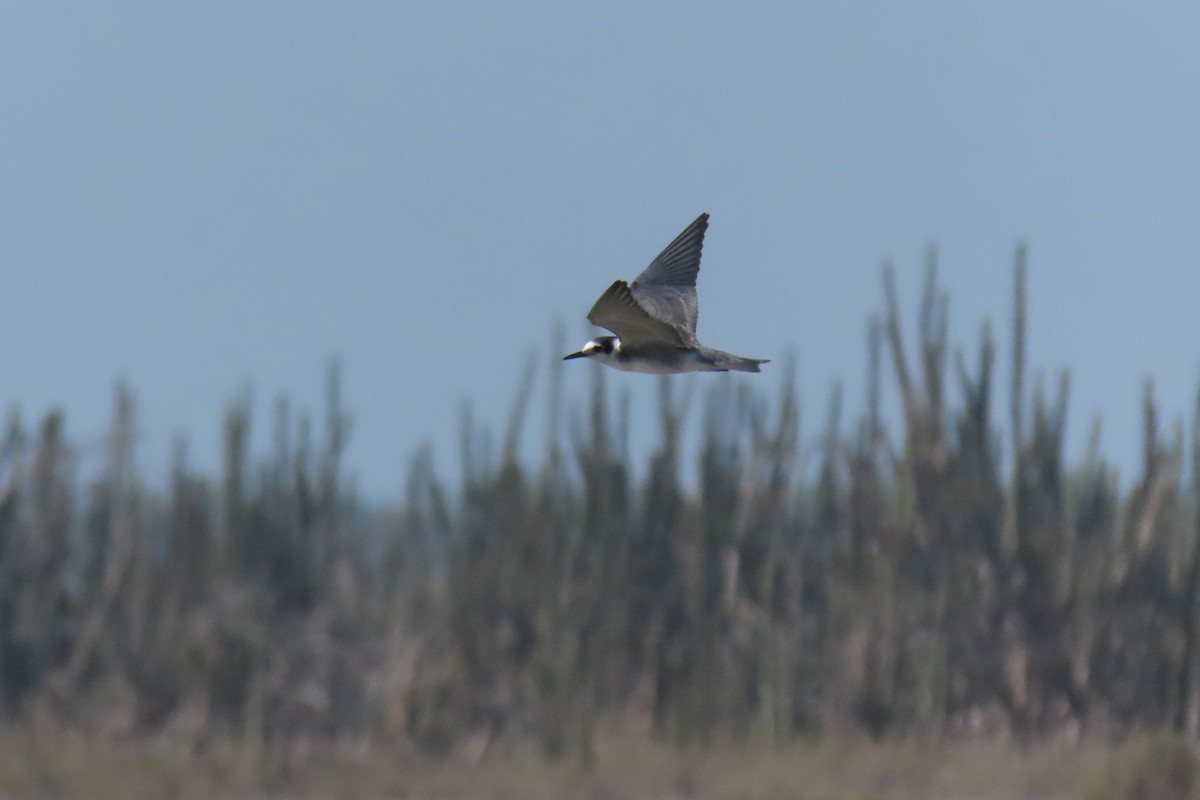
(601, 347)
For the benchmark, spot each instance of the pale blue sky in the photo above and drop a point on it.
(196, 197)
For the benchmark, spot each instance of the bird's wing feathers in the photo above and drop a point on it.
(622, 313)
(674, 305)
(666, 289)
(679, 262)
(660, 306)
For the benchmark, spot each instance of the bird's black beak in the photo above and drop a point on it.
(580, 354)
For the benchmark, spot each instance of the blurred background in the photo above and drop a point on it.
(291, 467)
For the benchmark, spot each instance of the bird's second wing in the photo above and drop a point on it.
(679, 262)
(667, 288)
(620, 310)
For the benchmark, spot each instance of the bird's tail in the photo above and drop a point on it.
(742, 364)
(728, 361)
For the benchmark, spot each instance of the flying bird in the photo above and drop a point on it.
(654, 318)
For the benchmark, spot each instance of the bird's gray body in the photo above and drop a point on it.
(665, 359)
(654, 318)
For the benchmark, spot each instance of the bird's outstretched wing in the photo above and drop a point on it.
(679, 262)
(667, 288)
(660, 305)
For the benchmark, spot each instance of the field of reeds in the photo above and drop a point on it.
(880, 595)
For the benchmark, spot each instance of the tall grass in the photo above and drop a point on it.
(897, 584)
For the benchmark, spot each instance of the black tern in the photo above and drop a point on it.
(654, 318)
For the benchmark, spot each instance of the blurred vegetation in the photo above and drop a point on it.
(74, 765)
(952, 579)
(1160, 766)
